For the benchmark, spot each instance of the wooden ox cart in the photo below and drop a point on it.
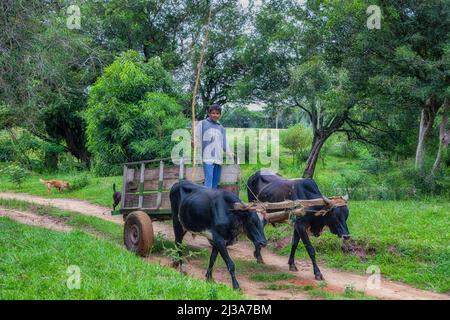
(145, 198)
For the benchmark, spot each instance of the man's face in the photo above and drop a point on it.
(214, 115)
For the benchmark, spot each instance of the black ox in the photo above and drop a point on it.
(200, 210)
(270, 187)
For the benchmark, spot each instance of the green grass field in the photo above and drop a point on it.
(35, 261)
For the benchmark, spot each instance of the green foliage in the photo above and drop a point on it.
(346, 149)
(242, 117)
(172, 253)
(349, 290)
(15, 173)
(132, 113)
(80, 181)
(6, 148)
(374, 165)
(297, 139)
(351, 182)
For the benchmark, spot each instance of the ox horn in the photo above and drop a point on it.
(345, 198)
(327, 201)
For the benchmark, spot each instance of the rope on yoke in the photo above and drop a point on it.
(290, 209)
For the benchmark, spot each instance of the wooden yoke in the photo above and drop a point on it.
(296, 207)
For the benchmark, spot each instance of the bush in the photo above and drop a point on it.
(6, 148)
(80, 181)
(15, 174)
(346, 149)
(374, 165)
(355, 184)
(298, 140)
(424, 184)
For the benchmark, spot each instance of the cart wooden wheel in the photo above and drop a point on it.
(138, 233)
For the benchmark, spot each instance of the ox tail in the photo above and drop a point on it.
(43, 181)
(114, 187)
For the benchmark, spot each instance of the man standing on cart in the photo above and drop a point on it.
(211, 143)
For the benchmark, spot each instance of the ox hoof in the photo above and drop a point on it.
(293, 267)
(319, 277)
(260, 261)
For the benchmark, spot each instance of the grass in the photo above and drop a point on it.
(407, 240)
(35, 266)
(98, 191)
(92, 225)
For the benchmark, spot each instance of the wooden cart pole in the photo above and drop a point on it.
(194, 95)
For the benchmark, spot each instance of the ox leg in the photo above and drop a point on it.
(295, 241)
(179, 235)
(310, 249)
(230, 264)
(212, 260)
(257, 255)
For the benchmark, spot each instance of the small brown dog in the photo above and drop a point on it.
(58, 184)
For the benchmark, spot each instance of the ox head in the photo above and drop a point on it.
(253, 223)
(336, 218)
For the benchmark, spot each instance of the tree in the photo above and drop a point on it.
(291, 69)
(132, 111)
(44, 70)
(411, 48)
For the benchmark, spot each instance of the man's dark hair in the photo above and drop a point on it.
(216, 107)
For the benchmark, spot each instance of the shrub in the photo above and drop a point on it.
(298, 140)
(424, 184)
(374, 165)
(353, 183)
(80, 181)
(15, 174)
(347, 149)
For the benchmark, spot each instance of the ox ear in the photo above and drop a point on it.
(345, 198)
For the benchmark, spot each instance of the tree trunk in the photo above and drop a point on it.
(76, 143)
(317, 144)
(51, 160)
(444, 138)
(427, 118)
